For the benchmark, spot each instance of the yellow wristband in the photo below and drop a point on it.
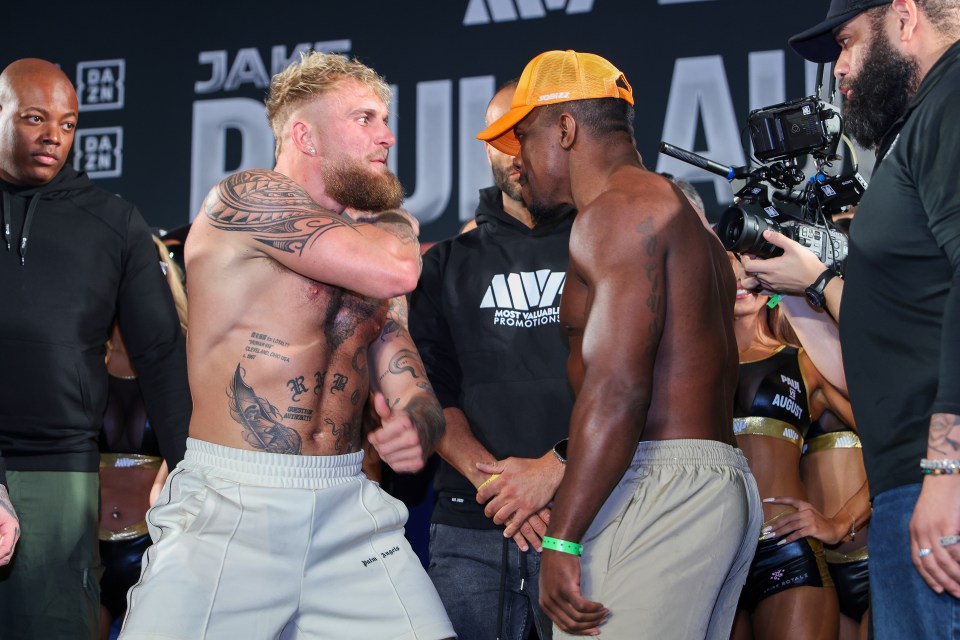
(488, 481)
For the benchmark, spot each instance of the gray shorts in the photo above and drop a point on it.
(257, 545)
(669, 550)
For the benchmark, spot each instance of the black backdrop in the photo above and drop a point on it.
(171, 93)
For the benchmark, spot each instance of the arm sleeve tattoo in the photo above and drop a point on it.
(427, 417)
(944, 437)
(272, 208)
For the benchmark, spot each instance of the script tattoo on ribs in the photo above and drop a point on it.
(260, 420)
(272, 208)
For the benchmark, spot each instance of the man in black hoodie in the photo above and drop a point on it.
(485, 320)
(91, 260)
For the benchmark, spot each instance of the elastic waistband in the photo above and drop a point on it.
(837, 557)
(688, 452)
(271, 469)
(130, 532)
(783, 513)
(833, 440)
(770, 427)
(123, 460)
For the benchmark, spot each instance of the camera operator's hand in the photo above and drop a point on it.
(792, 272)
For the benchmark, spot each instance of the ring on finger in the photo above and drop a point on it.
(947, 541)
(923, 552)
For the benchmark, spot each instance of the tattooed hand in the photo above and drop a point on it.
(407, 436)
(9, 527)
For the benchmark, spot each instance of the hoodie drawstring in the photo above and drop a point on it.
(504, 560)
(31, 209)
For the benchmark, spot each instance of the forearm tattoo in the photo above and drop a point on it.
(427, 417)
(393, 223)
(260, 420)
(397, 319)
(406, 361)
(272, 208)
(944, 434)
(6, 506)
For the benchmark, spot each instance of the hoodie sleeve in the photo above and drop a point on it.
(431, 333)
(151, 330)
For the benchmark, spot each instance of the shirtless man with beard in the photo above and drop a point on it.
(268, 528)
(897, 64)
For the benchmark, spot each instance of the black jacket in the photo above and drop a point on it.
(485, 318)
(74, 258)
(901, 299)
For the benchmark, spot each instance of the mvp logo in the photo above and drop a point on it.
(524, 291)
(487, 11)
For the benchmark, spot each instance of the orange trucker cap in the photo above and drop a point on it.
(552, 77)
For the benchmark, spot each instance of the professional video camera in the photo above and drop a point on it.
(781, 134)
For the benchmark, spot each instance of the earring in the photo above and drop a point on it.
(313, 151)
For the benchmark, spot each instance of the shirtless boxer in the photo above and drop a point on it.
(655, 496)
(268, 528)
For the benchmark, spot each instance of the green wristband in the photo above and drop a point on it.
(562, 546)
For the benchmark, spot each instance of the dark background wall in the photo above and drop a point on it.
(171, 93)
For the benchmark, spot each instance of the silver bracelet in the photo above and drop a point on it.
(939, 466)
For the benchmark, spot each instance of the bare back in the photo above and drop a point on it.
(649, 280)
(278, 361)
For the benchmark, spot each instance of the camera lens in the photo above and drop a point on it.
(741, 231)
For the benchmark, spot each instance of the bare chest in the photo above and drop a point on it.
(341, 316)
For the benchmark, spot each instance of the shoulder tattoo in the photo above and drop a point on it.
(272, 208)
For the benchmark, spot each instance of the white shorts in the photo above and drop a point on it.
(258, 545)
(669, 550)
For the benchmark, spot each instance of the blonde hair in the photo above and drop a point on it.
(175, 279)
(315, 75)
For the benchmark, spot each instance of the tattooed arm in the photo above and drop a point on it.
(937, 513)
(278, 217)
(411, 416)
(623, 306)
(399, 222)
(615, 295)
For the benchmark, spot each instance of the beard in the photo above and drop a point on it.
(510, 188)
(542, 212)
(881, 92)
(354, 185)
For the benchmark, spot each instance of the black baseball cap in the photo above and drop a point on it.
(817, 44)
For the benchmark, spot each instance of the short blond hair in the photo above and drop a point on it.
(316, 74)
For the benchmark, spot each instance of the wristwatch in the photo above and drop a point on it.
(814, 292)
(560, 450)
